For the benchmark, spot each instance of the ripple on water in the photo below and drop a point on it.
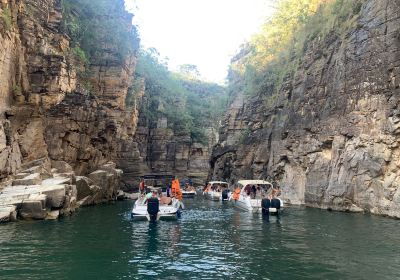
(211, 241)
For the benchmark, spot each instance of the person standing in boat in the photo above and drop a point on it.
(141, 186)
(176, 190)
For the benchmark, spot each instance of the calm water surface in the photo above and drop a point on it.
(211, 241)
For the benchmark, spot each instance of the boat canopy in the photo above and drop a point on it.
(158, 180)
(218, 182)
(158, 176)
(244, 183)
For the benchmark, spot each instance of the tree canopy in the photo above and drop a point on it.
(275, 52)
(189, 104)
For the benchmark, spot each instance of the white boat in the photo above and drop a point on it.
(214, 190)
(250, 201)
(152, 210)
(191, 193)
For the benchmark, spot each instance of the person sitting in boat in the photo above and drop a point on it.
(236, 193)
(253, 191)
(164, 200)
(258, 192)
(149, 195)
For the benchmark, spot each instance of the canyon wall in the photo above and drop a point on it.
(329, 136)
(46, 110)
(53, 106)
(165, 151)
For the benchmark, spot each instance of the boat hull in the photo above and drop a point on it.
(189, 194)
(166, 212)
(253, 206)
(214, 196)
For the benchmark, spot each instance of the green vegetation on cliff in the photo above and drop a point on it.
(6, 18)
(275, 52)
(189, 104)
(94, 26)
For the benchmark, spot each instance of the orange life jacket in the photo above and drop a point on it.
(236, 194)
(176, 189)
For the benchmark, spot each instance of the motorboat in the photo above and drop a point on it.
(252, 196)
(153, 210)
(189, 193)
(217, 190)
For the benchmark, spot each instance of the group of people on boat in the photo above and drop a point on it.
(213, 187)
(173, 191)
(188, 187)
(257, 192)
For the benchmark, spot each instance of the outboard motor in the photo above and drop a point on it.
(276, 203)
(153, 207)
(265, 205)
(225, 194)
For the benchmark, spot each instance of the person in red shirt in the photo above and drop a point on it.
(141, 186)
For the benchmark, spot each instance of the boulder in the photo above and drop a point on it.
(8, 213)
(99, 177)
(33, 209)
(55, 195)
(56, 181)
(83, 187)
(44, 162)
(32, 179)
(61, 166)
(70, 204)
(53, 215)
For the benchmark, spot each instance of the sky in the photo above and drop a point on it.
(206, 33)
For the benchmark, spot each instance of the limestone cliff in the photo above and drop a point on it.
(76, 98)
(47, 109)
(330, 136)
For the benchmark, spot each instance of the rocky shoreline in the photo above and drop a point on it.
(46, 189)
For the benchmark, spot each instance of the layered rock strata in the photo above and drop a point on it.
(45, 109)
(47, 190)
(330, 134)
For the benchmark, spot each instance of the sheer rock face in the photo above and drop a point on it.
(331, 138)
(163, 150)
(44, 112)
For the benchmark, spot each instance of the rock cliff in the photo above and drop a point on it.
(329, 136)
(64, 98)
(46, 109)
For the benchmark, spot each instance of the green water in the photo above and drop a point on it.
(211, 241)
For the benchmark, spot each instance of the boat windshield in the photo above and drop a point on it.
(219, 187)
(256, 191)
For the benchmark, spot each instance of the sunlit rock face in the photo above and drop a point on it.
(164, 151)
(45, 111)
(331, 139)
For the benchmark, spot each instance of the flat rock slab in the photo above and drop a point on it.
(21, 175)
(55, 181)
(99, 177)
(31, 179)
